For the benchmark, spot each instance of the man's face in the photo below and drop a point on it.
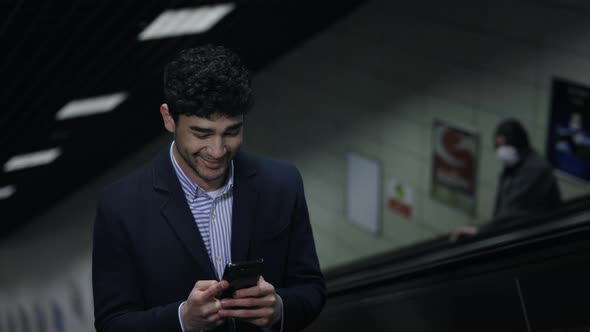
(206, 146)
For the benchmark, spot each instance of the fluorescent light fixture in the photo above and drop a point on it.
(32, 159)
(7, 191)
(90, 106)
(185, 21)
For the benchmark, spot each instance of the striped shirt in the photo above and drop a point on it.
(212, 212)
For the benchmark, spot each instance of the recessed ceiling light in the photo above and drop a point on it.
(32, 159)
(7, 191)
(90, 106)
(185, 21)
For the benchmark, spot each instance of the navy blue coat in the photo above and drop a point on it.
(148, 253)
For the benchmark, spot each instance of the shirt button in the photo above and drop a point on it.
(219, 258)
(213, 216)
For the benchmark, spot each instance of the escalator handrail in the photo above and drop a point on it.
(439, 252)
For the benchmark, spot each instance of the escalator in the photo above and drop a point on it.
(528, 275)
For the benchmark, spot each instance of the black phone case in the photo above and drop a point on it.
(241, 275)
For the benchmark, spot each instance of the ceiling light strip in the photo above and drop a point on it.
(33, 159)
(185, 21)
(91, 106)
(7, 191)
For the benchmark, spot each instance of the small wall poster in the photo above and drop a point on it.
(400, 198)
(363, 192)
(454, 166)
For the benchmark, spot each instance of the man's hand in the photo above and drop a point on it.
(462, 231)
(200, 312)
(258, 305)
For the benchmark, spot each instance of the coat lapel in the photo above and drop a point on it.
(177, 213)
(244, 207)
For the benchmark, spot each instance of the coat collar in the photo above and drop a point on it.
(178, 215)
(177, 212)
(244, 205)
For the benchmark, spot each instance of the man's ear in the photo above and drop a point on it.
(169, 123)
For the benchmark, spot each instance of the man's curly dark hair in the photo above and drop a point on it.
(206, 80)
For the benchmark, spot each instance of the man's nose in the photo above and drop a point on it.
(217, 149)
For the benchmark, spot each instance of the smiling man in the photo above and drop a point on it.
(164, 234)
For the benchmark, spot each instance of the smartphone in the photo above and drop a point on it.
(241, 275)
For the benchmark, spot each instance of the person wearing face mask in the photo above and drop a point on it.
(526, 185)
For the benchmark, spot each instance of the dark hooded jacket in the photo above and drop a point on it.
(529, 187)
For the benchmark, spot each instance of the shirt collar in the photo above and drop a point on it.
(190, 188)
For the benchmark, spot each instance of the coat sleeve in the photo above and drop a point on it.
(304, 293)
(118, 303)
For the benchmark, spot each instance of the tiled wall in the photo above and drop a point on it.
(375, 82)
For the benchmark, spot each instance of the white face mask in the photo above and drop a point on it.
(507, 154)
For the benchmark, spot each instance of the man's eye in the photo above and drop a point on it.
(232, 133)
(202, 136)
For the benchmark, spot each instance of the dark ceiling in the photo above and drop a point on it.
(59, 51)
